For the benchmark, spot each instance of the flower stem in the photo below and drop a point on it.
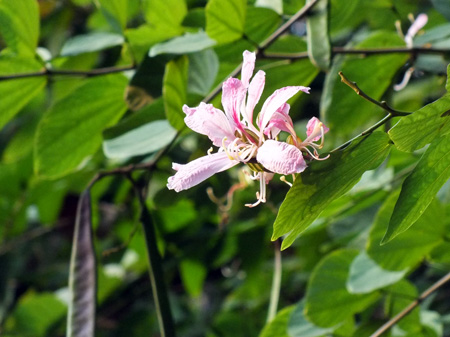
(276, 283)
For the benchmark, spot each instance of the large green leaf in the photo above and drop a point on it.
(319, 48)
(421, 127)
(420, 187)
(157, 14)
(175, 90)
(35, 314)
(324, 181)
(91, 43)
(328, 302)
(19, 25)
(366, 275)
(260, 23)
(225, 20)
(70, 131)
(115, 11)
(18, 92)
(203, 68)
(83, 274)
(342, 109)
(411, 247)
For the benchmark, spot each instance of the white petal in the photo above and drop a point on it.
(279, 157)
(196, 171)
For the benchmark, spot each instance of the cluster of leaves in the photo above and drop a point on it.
(89, 85)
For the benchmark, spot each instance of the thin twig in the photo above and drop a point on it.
(382, 104)
(410, 307)
(62, 72)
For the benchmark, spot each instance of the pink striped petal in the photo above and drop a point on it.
(275, 101)
(280, 157)
(209, 121)
(255, 90)
(233, 94)
(196, 171)
(313, 131)
(248, 65)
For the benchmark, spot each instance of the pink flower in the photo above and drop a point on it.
(239, 139)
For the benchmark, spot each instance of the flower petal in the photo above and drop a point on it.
(313, 131)
(255, 90)
(196, 171)
(209, 121)
(279, 157)
(248, 65)
(233, 94)
(417, 25)
(277, 99)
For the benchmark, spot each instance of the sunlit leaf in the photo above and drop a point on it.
(156, 14)
(70, 131)
(327, 300)
(82, 277)
(19, 25)
(275, 5)
(420, 187)
(175, 90)
(193, 274)
(324, 181)
(225, 20)
(319, 49)
(18, 92)
(115, 12)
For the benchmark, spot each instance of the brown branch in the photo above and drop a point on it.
(410, 307)
(62, 72)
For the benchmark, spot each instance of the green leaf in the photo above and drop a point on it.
(400, 295)
(420, 187)
(299, 326)
(366, 275)
(19, 25)
(342, 109)
(411, 247)
(442, 7)
(225, 20)
(203, 69)
(35, 314)
(188, 43)
(324, 181)
(260, 23)
(175, 90)
(82, 275)
(115, 12)
(193, 274)
(328, 302)
(18, 92)
(421, 127)
(156, 14)
(70, 131)
(145, 139)
(319, 48)
(91, 43)
(275, 5)
(278, 326)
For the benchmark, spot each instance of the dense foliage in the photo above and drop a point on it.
(91, 97)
